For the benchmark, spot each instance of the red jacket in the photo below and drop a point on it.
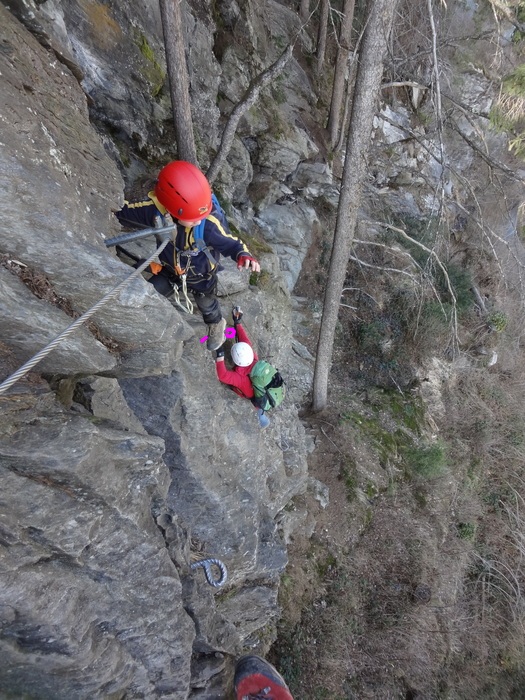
(238, 379)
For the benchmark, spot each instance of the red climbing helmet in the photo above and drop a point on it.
(184, 191)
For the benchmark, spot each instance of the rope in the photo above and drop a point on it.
(6, 384)
(206, 565)
(187, 307)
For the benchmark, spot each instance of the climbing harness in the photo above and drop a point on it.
(186, 305)
(206, 564)
(198, 236)
(7, 383)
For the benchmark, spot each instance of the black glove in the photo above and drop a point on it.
(237, 315)
(219, 353)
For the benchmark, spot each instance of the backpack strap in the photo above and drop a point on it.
(198, 231)
(198, 234)
(201, 245)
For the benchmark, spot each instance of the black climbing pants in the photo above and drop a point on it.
(208, 306)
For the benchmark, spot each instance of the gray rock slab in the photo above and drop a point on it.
(229, 479)
(251, 609)
(91, 603)
(232, 280)
(289, 230)
(28, 324)
(104, 399)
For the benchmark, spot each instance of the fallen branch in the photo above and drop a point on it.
(479, 300)
(404, 83)
(391, 249)
(432, 253)
(411, 258)
(358, 289)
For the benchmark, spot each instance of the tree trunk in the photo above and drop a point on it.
(368, 82)
(172, 28)
(352, 70)
(321, 35)
(304, 10)
(341, 69)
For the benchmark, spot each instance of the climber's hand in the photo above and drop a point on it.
(237, 315)
(219, 355)
(247, 262)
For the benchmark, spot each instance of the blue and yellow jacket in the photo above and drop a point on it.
(184, 256)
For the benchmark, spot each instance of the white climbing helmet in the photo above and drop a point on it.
(242, 354)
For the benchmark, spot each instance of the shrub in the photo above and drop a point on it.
(428, 461)
(466, 531)
(508, 114)
(497, 321)
(461, 282)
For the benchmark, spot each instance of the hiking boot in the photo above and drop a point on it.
(216, 335)
(256, 679)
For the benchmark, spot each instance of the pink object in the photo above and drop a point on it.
(229, 333)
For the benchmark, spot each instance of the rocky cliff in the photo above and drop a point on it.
(122, 458)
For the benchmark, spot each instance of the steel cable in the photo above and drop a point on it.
(7, 383)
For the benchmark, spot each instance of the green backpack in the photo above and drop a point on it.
(268, 385)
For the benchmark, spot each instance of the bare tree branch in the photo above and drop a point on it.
(436, 84)
(482, 154)
(432, 253)
(390, 248)
(249, 99)
(361, 291)
(383, 269)
(505, 10)
(352, 69)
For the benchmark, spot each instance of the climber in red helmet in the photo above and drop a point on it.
(183, 195)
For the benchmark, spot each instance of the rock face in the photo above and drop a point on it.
(289, 229)
(91, 602)
(60, 187)
(229, 479)
(138, 461)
